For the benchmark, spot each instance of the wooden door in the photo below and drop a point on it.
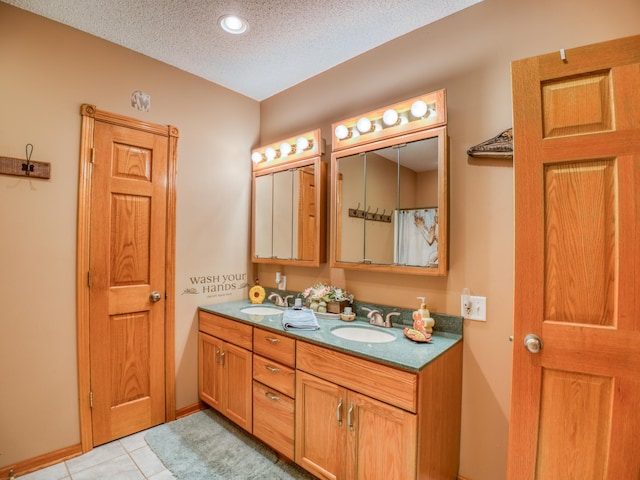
(575, 408)
(321, 419)
(382, 440)
(127, 269)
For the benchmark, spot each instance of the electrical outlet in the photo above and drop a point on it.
(476, 310)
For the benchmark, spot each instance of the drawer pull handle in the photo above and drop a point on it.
(272, 339)
(271, 396)
(272, 369)
(222, 354)
(350, 416)
(218, 356)
(339, 413)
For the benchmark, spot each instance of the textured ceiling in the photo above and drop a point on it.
(288, 41)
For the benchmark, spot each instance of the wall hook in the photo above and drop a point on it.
(20, 168)
(27, 167)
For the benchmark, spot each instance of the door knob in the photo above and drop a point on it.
(155, 297)
(533, 343)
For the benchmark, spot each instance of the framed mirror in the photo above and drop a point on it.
(289, 202)
(390, 198)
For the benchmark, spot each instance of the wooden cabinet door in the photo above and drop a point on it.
(381, 441)
(224, 378)
(575, 403)
(237, 367)
(210, 370)
(321, 420)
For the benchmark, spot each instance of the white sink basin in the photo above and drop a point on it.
(363, 334)
(261, 310)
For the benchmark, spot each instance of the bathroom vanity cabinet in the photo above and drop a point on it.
(356, 419)
(225, 366)
(339, 416)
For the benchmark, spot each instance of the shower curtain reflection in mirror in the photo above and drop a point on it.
(416, 237)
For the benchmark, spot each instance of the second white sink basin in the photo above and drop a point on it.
(363, 334)
(261, 310)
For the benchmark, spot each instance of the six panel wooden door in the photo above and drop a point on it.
(127, 280)
(575, 407)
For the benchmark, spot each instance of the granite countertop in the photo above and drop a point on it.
(400, 353)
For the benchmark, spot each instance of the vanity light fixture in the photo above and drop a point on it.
(303, 144)
(419, 109)
(233, 24)
(364, 125)
(412, 115)
(271, 153)
(343, 132)
(289, 150)
(286, 149)
(390, 117)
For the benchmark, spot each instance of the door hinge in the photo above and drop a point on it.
(93, 154)
(89, 278)
(90, 399)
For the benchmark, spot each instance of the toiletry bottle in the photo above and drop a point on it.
(422, 317)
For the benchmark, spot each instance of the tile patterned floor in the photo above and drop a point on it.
(129, 458)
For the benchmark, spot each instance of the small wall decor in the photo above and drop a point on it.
(141, 101)
(25, 168)
(500, 146)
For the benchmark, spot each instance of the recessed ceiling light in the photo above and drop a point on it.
(233, 24)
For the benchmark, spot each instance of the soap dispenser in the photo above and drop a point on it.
(422, 320)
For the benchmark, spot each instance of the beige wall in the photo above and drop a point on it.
(469, 54)
(46, 72)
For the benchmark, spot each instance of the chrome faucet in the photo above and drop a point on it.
(376, 318)
(279, 301)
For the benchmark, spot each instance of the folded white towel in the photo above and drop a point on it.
(303, 319)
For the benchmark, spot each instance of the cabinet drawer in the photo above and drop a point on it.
(231, 331)
(274, 374)
(277, 347)
(387, 384)
(273, 419)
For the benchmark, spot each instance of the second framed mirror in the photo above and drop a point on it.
(389, 184)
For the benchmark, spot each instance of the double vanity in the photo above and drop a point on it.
(349, 400)
(346, 401)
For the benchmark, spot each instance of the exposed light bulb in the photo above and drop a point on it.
(285, 149)
(364, 125)
(302, 144)
(390, 117)
(342, 132)
(256, 157)
(270, 153)
(419, 109)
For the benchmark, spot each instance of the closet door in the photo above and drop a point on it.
(575, 408)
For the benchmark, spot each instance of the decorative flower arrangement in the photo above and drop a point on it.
(319, 295)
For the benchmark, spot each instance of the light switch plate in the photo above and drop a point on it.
(477, 310)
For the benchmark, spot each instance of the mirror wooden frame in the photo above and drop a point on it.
(312, 156)
(430, 126)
